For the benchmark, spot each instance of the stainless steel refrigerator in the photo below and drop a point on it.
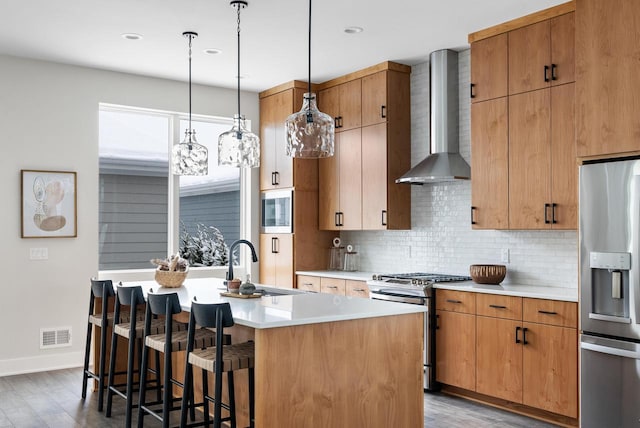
(610, 294)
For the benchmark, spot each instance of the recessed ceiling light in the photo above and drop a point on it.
(131, 36)
(353, 30)
(212, 51)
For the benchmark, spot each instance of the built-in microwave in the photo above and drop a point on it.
(276, 213)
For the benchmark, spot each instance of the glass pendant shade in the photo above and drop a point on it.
(189, 157)
(310, 133)
(238, 147)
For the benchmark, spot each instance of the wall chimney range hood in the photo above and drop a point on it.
(444, 163)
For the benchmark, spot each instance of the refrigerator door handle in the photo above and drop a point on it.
(610, 350)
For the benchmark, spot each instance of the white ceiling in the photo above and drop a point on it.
(274, 34)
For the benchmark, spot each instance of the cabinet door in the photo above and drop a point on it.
(332, 286)
(350, 171)
(350, 105)
(374, 177)
(267, 259)
(284, 260)
(564, 169)
(529, 58)
(563, 62)
(456, 349)
(499, 358)
(276, 168)
(529, 161)
(329, 188)
(308, 283)
(489, 68)
(329, 103)
(550, 368)
(356, 288)
(490, 164)
(608, 89)
(374, 98)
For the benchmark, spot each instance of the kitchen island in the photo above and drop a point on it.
(323, 360)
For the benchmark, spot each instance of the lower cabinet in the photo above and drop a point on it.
(309, 283)
(332, 286)
(338, 286)
(276, 259)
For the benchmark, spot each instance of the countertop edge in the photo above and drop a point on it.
(338, 274)
(535, 292)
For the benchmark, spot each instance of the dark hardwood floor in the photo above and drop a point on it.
(52, 399)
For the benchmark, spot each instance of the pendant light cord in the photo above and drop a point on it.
(309, 80)
(190, 130)
(239, 6)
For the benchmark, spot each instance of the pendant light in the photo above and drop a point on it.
(239, 147)
(189, 157)
(310, 133)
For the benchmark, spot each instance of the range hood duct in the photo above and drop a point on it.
(444, 163)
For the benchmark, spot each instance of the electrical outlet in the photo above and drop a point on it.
(39, 253)
(504, 255)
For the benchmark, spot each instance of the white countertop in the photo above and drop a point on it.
(338, 274)
(537, 292)
(282, 311)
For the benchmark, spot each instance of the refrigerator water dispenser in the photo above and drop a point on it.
(610, 286)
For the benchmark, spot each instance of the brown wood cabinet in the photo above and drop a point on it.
(608, 90)
(329, 285)
(357, 186)
(276, 259)
(541, 54)
(343, 102)
(356, 288)
(308, 283)
(490, 164)
(489, 68)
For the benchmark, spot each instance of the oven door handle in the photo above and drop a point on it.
(399, 299)
(610, 351)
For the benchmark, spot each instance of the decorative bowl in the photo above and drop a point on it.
(488, 274)
(171, 279)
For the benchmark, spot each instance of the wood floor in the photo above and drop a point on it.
(52, 399)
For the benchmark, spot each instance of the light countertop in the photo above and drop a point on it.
(338, 274)
(298, 308)
(536, 292)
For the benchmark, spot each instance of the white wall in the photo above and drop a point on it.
(441, 239)
(49, 121)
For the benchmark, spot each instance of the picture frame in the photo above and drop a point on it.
(48, 204)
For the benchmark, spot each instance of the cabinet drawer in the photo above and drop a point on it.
(332, 286)
(356, 288)
(309, 283)
(456, 301)
(552, 312)
(493, 305)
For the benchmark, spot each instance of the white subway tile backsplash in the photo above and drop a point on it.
(441, 238)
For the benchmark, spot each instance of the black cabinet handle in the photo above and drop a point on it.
(546, 73)
(524, 335)
(471, 94)
(383, 112)
(336, 221)
(517, 330)
(339, 122)
(274, 245)
(437, 319)
(384, 217)
(336, 122)
(497, 307)
(553, 213)
(473, 221)
(273, 178)
(547, 312)
(553, 72)
(546, 209)
(454, 301)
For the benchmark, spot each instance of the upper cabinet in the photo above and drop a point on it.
(541, 54)
(357, 186)
(523, 143)
(277, 170)
(343, 103)
(489, 68)
(607, 85)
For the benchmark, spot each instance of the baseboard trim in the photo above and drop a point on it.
(42, 363)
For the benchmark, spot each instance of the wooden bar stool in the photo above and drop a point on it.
(168, 342)
(102, 289)
(220, 359)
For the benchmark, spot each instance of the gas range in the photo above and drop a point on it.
(414, 279)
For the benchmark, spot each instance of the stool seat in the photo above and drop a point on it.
(203, 338)
(96, 319)
(234, 357)
(157, 327)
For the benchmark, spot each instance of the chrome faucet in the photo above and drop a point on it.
(231, 248)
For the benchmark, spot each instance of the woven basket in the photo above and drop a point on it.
(170, 279)
(488, 274)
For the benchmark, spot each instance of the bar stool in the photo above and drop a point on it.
(220, 359)
(133, 331)
(102, 289)
(170, 341)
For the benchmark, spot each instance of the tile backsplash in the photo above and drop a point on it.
(441, 238)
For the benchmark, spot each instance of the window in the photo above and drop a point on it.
(137, 203)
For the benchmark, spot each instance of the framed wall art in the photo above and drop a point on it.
(49, 204)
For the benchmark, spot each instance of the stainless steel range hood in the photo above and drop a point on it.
(444, 163)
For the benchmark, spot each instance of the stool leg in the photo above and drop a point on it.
(186, 392)
(130, 368)
(112, 369)
(252, 404)
(87, 352)
(217, 405)
(166, 399)
(143, 384)
(158, 384)
(205, 394)
(232, 398)
(103, 354)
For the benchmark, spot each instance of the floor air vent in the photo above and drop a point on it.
(55, 337)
